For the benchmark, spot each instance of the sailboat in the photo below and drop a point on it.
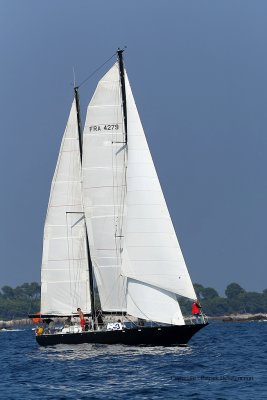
(110, 248)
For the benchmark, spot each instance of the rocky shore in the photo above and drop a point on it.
(236, 317)
(233, 318)
(15, 323)
(243, 317)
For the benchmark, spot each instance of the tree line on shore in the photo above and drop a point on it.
(236, 301)
(22, 300)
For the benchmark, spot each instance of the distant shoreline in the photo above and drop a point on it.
(224, 318)
(15, 323)
(241, 317)
(238, 317)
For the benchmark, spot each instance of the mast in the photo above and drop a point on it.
(77, 101)
(123, 92)
(90, 265)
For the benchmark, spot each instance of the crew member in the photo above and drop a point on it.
(82, 320)
(99, 318)
(196, 309)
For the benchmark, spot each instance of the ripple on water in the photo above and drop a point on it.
(207, 369)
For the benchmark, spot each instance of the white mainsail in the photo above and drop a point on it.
(104, 162)
(65, 277)
(138, 263)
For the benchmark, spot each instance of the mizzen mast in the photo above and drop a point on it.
(90, 265)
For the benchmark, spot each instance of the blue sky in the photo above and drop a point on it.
(198, 73)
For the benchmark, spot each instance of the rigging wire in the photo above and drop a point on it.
(96, 70)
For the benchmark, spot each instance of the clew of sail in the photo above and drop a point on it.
(65, 277)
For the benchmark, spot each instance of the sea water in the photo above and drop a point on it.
(223, 361)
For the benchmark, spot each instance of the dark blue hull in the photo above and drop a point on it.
(150, 336)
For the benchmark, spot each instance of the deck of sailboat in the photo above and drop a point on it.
(149, 336)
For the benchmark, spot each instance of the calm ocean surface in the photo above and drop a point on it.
(224, 361)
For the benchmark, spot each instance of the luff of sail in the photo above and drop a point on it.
(104, 162)
(65, 278)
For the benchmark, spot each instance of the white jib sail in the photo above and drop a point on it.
(153, 252)
(104, 161)
(152, 304)
(65, 277)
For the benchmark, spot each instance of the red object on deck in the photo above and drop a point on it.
(195, 308)
(36, 319)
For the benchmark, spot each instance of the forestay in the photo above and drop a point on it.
(65, 277)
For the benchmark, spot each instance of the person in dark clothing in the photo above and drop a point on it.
(99, 318)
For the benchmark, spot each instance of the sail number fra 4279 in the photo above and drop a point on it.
(97, 128)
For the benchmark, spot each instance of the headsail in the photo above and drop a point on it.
(154, 255)
(65, 278)
(153, 304)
